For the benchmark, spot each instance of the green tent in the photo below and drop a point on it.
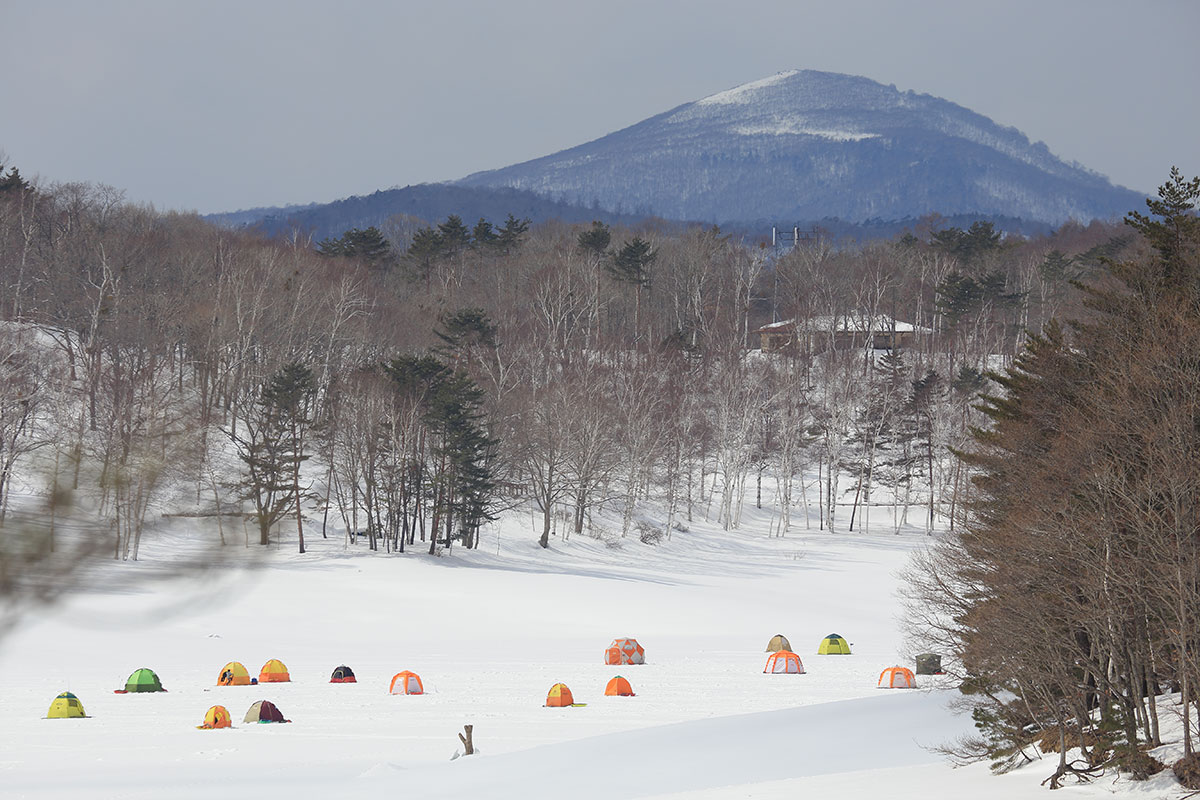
(143, 680)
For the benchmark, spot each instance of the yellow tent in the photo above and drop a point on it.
(66, 706)
(233, 674)
(834, 645)
(274, 672)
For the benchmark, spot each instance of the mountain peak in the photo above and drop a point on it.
(747, 91)
(804, 144)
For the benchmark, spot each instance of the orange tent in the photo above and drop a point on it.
(897, 678)
(784, 662)
(217, 717)
(406, 683)
(233, 674)
(618, 687)
(559, 696)
(624, 651)
(274, 672)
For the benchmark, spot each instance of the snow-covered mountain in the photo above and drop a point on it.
(806, 145)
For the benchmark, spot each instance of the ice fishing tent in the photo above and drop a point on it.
(618, 687)
(834, 645)
(66, 706)
(778, 642)
(143, 680)
(343, 674)
(216, 717)
(624, 651)
(897, 678)
(559, 696)
(274, 672)
(406, 683)
(929, 664)
(784, 662)
(264, 711)
(233, 674)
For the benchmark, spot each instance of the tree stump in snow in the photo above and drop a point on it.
(465, 738)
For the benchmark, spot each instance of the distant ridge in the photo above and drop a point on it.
(431, 202)
(811, 145)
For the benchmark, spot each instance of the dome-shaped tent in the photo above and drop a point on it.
(778, 642)
(559, 696)
(784, 662)
(66, 706)
(343, 674)
(143, 680)
(233, 674)
(618, 687)
(897, 678)
(264, 711)
(406, 683)
(625, 651)
(216, 717)
(834, 645)
(274, 672)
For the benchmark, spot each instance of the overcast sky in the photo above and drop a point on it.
(214, 106)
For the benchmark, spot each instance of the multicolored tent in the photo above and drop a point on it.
(785, 662)
(66, 706)
(618, 687)
(778, 642)
(264, 711)
(216, 717)
(624, 651)
(143, 680)
(897, 678)
(559, 696)
(406, 683)
(834, 645)
(343, 674)
(274, 672)
(233, 674)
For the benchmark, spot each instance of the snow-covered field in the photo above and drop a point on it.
(490, 631)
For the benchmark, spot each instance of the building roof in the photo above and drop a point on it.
(846, 323)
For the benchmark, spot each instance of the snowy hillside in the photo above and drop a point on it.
(490, 631)
(807, 145)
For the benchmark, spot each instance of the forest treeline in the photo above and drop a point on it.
(409, 382)
(1070, 593)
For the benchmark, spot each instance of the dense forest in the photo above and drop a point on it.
(410, 383)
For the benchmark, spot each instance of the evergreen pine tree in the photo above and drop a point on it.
(455, 236)
(13, 183)
(273, 447)
(368, 246)
(512, 235)
(483, 236)
(595, 240)
(631, 264)
(424, 251)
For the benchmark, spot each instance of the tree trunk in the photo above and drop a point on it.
(466, 739)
